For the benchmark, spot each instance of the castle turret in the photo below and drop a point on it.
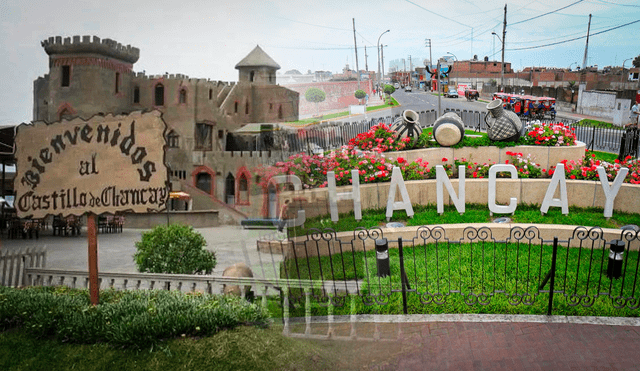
(258, 68)
(86, 76)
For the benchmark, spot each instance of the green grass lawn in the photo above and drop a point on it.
(313, 120)
(497, 275)
(245, 348)
(474, 213)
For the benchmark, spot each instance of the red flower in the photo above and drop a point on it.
(444, 159)
(401, 160)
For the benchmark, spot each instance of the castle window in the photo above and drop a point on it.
(236, 107)
(159, 95)
(270, 106)
(183, 96)
(251, 76)
(246, 108)
(136, 94)
(66, 75)
(272, 77)
(280, 114)
(173, 139)
(204, 138)
(210, 94)
(117, 82)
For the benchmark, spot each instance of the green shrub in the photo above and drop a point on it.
(360, 94)
(175, 249)
(389, 89)
(123, 318)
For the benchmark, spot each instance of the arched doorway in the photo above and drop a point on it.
(203, 182)
(230, 189)
(273, 201)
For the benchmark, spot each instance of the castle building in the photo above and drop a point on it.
(89, 76)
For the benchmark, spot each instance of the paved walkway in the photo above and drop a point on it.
(232, 244)
(493, 346)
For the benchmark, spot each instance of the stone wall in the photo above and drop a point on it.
(339, 95)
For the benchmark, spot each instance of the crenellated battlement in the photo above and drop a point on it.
(178, 76)
(85, 44)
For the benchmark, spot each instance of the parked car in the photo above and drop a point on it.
(451, 93)
(407, 88)
(397, 86)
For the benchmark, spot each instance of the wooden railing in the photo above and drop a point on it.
(13, 265)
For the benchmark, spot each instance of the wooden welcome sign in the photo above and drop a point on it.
(104, 165)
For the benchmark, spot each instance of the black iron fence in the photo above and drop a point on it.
(332, 135)
(397, 275)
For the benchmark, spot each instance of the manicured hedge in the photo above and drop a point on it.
(135, 319)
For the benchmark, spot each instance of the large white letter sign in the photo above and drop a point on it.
(405, 204)
(297, 186)
(513, 202)
(442, 178)
(353, 195)
(610, 193)
(558, 177)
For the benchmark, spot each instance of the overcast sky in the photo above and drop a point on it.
(205, 39)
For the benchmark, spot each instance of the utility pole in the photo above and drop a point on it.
(430, 58)
(366, 59)
(355, 44)
(410, 72)
(438, 85)
(504, 35)
(583, 73)
(404, 71)
(382, 58)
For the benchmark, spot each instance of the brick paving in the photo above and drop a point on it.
(496, 346)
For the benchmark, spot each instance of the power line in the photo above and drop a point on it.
(542, 15)
(574, 39)
(311, 24)
(439, 15)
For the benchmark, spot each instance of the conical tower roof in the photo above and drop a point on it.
(257, 58)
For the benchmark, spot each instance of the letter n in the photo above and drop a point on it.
(442, 178)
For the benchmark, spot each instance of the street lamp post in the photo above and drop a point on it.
(622, 74)
(454, 69)
(379, 56)
(502, 62)
(572, 63)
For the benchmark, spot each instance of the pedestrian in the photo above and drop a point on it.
(366, 99)
(633, 116)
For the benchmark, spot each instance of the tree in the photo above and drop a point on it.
(316, 96)
(636, 62)
(360, 94)
(389, 89)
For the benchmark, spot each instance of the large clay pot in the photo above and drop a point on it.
(407, 125)
(502, 125)
(448, 130)
(237, 270)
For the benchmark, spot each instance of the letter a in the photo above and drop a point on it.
(405, 204)
(354, 195)
(558, 177)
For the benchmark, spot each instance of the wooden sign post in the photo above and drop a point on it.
(106, 164)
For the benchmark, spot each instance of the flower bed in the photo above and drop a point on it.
(536, 155)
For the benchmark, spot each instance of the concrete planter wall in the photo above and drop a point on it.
(545, 156)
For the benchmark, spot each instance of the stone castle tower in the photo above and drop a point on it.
(257, 67)
(83, 73)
